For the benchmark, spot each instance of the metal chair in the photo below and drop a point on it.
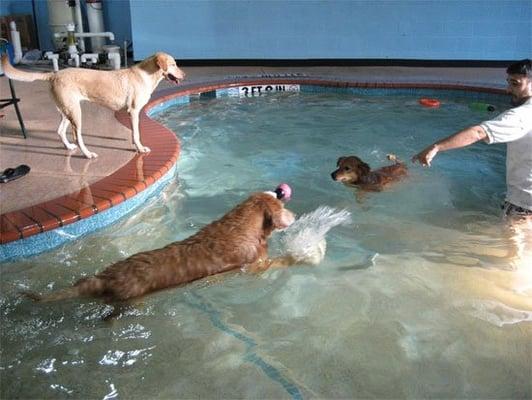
(13, 100)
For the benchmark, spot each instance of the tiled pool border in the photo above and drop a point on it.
(50, 239)
(38, 228)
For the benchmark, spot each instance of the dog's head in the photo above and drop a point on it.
(169, 68)
(275, 215)
(350, 169)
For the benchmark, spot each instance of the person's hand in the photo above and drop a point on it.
(426, 156)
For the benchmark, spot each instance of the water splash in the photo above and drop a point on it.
(304, 240)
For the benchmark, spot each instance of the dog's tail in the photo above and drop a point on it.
(68, 293)
(85, 287)
(20, 75)
(393, 158)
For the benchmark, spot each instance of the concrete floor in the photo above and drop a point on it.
(56, 171)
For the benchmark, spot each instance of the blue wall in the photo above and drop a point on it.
(9, 7)
(312, 29)
(307, 29)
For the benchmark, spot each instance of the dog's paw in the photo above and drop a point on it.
(71, 146)
(143, 149)
(90, 154)
(391, 157)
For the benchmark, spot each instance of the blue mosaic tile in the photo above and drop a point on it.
(419, 92)
(180, 100)
(48, 240)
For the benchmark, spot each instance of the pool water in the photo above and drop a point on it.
(417, 297)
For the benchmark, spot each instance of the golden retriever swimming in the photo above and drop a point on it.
(352, 171)
(129, 88)
(238, 239)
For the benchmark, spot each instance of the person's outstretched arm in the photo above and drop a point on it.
(456, 141)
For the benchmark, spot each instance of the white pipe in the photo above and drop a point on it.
(15, 40)
(55, 62)
(75, 57)
(92, 57)
(94, 9)
(125, 53)
(55, 59)
(115, 60)
(79, 25)
(109, 35)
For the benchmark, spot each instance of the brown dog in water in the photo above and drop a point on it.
(352, 171)
(238, 239)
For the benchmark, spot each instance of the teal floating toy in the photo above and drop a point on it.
(477, 106)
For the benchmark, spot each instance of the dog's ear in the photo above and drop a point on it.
(273, 215)
(162, 61)
(340, 160)
(363, 168)
(267, 222)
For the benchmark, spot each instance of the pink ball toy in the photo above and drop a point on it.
(283, 191)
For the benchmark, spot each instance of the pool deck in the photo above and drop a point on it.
(64, 187)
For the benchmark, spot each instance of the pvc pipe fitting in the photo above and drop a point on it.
(55, 59)
(115, 60)
(92, 57)
(75, 57)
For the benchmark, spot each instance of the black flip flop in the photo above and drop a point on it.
(10, 174)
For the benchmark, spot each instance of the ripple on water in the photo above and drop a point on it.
(497, 313)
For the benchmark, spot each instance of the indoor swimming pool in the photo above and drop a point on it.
(420, 296)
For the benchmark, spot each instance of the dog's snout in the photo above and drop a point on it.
(288, 218)
(333, 175)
